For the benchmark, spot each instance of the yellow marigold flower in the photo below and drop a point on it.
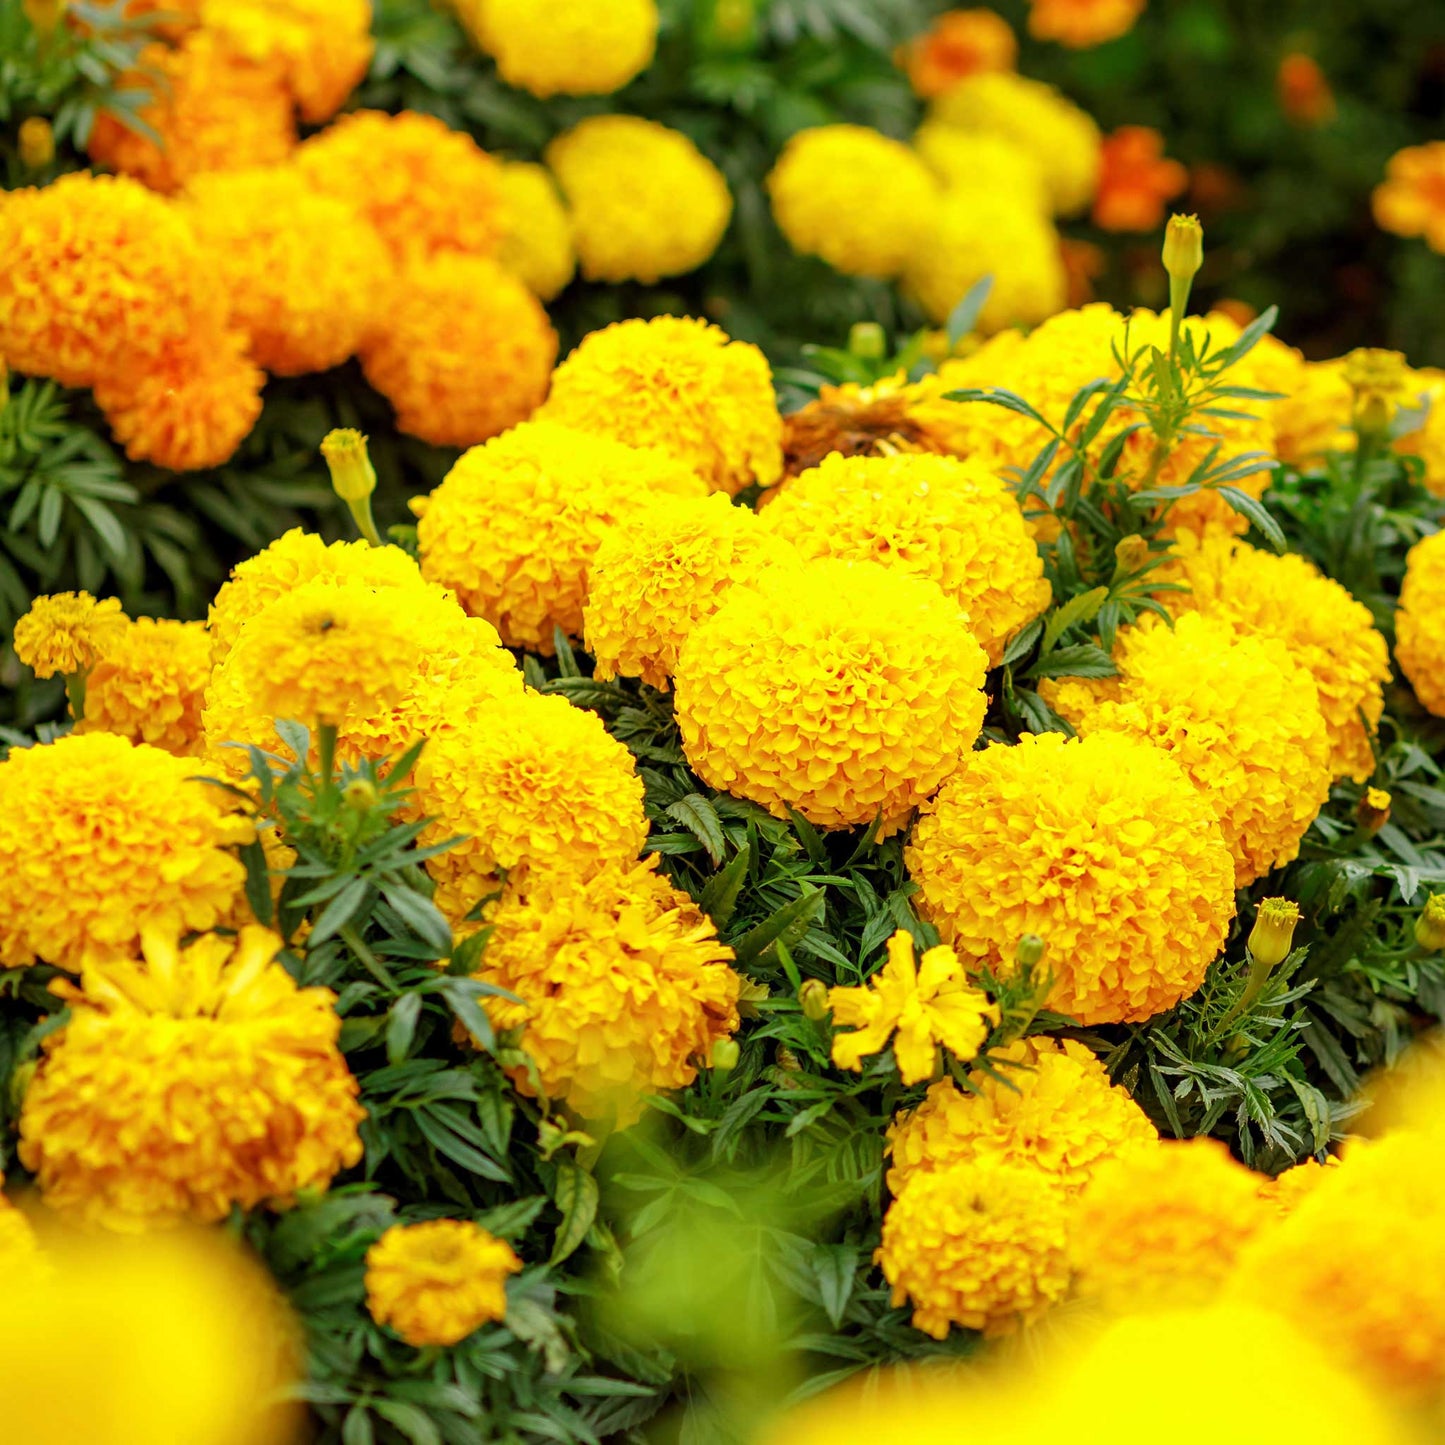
(466, 351)
(844, 690)
(1325, 629)
(514, 526)
(1236, 711)
(1420, 623)
(537, 244)
(149, 685)
(100, 840)
(196, 1081)
(35, 143)
(426, 188)
(1411, 199)
(952, 521)
(1286, 1191)
(645, 201)
(212, 108)
(1427, 389)
(958, 44)
(1064, 140)
(982, 1245)
(99, 275)
(926, 1002)
(1100, 847)
(434, 1283)
(1160, 1228)
(302, 271)
(1314, 415)
(574, 47)
(1057, 1112)
(653, 580)
(982, 163)
(20, 1255)
(67, 632)
(815, 189)
(623, 983)
(679, 384)
(1359, 1265)
(1082, 24)
(531, 782)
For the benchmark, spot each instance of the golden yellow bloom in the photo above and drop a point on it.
(1427, 389)
(1057, 1112)
(1235, 711)
(1420, 623)
(679, 384)
(213, 110)
(926, 1002)
(1161, 1227)
(1100, 847)
(982, 163)
(1064, 140)
(1325, 629)
(1411, 199)
(1286, 1190)
(982, 1245)
(149, 685)
(668, 569)
(863, 202)
(426, 188)
(844, 690)
(573, 47)
(434, 1283)
(645, 201)
(198, 1080)
(952, 521)
(466, 351)
(101, 840)
(958, 44)
(35, 142)
(1271, 937)
(302, 271)
(67, 632)
(625, 987)
(1314, 415)
(1430, 925)
(537, 245)
(1081, 24)
(515, 524)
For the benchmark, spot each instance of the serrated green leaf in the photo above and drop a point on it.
(576, 1195)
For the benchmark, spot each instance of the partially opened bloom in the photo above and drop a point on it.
(67, 632)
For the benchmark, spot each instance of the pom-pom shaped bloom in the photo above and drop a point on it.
(982, 163)
(1411, 199)
(1102, 848)
(1326, 631)
(1136, 181)
(1420, 623)
(302, 271)
(1064, 139)
(99, 276)
(844, 690)
(679, 384)
(67, 632)
(212, 109)
(149, 685)
(1236, 711)
(983, 1245)
(645, 202)
(926, 1002)
(531, 782)
(465, 352)
(426, 188)
(814, 190)
(515, 524)
(572, 47)
(537, 244)
(436, 1282)
(1054, 1110)
(181, 1087)
(623, 983)
(952, 521)
(101, 840)
(1082, 24)
(667, 570)
(1314, 414)
(958, 44)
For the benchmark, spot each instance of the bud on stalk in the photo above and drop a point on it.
(1430, 926)
(353, 478)
(1273, 933)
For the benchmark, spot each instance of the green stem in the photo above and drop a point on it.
(1254, 985)
(75, 692)
(326, 751)
(365, 522)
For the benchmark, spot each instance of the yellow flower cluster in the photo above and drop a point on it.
(1100, 847)
(1420, 622)
(574, 47)
(198, 1080)
(952, 521)
(843, 690)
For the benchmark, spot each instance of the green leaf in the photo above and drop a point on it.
(258, 881)
(1257, 513)
(1076, 610)
(964, 317)
(1085, 660)
(422, 916)
(719, 896)
(339, 912)
(461, 995)
(411, 1420)
(401, 1026)
(786, 925)
(836, 1266)
(575, 1194)
(697, 814)
(356, 1429)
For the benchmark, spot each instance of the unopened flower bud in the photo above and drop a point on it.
(867, 341)
(1430, 925)
(36, 143)
(1030, 952)
(1372, 812)
(813, 999)
(788, 1060)
(1130, 554)
(1378, 379)
(725, 1055)
(359, 795)
(1273, 932)
(1183, 248)
(352, 475)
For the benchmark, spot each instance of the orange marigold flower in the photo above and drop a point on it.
(1081, 24)
(1136, 181)
(958, 44)
(1411, 199)
(1084, 264)
(1304, 93)
(150, 683)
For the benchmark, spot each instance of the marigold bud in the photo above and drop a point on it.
(44, 15)
(1430, 926)
(1372, 812)
(36, 143)
(725, 1055)
(352, 475)
(1183, 248)
(1130, 554)
(788, 1061)
(360, 795)
(1273, 931)
(868, 341)
(813, 999)
(1378, 380)
(1030, 952)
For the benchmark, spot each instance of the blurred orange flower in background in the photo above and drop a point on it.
(959, 43)
(1081, 24)
(1411, 200)
(1304, 93)
(1137, 181)
(1084, 263)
